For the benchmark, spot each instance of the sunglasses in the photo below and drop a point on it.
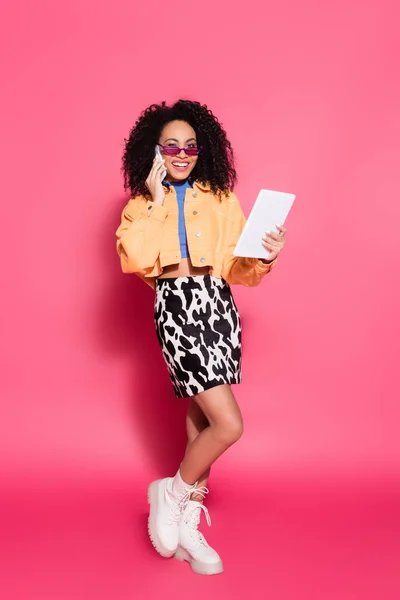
(174, 150)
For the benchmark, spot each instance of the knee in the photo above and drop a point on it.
(230, 431)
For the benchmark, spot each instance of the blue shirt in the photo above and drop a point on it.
(180, 189)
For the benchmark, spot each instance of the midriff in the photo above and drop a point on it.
(183, 269)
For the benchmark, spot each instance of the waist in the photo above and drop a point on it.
(190, 282)
(183, 269)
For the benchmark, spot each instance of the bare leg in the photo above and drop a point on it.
(196, 422)
(225, 427)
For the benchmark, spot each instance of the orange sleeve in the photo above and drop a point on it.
(238, 269)
(139, 237)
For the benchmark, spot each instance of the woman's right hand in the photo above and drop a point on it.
(154, 181)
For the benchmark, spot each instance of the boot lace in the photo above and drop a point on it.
(180, 504)
(193, 520)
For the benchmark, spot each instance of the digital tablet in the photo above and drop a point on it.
(270, 209)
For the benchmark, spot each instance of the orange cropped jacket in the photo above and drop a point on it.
(148, 239)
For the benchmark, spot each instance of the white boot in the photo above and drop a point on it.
(167, 498)
(192, 544)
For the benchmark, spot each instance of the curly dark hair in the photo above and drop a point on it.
(216, 162)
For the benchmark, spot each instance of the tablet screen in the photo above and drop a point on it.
(270, 209)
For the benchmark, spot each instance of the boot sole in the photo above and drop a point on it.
(152, 494)
(197, 566)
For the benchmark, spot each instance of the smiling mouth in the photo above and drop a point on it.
(180, 165)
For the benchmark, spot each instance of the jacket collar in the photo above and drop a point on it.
(204, 187)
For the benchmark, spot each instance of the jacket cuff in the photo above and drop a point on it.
(260, 267)
(154, 211)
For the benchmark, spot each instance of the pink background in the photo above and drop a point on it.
(309, 94)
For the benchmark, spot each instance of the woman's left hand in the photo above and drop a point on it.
(274, 242)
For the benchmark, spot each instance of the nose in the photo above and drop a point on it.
(182, 154)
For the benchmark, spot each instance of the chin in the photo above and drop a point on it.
(179, 176)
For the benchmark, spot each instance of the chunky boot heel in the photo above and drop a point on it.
(181, 554)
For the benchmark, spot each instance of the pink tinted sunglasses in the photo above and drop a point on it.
(174, 150)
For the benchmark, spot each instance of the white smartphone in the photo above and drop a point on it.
(158, 155)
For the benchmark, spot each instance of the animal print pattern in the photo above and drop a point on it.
(199, 330)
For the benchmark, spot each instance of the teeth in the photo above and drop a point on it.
(180, 164)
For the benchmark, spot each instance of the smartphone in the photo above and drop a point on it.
(158, 155)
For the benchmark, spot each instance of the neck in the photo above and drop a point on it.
(177, 182)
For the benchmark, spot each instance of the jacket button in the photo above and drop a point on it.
(195, 212)
(194, 194)
(198, 234)
(202, 259)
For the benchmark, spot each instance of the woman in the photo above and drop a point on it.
(178, 233)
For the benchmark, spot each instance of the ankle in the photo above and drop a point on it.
(179, 487)
(197, 497)
(183, 477)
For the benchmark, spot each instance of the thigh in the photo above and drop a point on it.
(219, 405)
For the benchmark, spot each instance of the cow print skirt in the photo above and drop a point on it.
(198, 327)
